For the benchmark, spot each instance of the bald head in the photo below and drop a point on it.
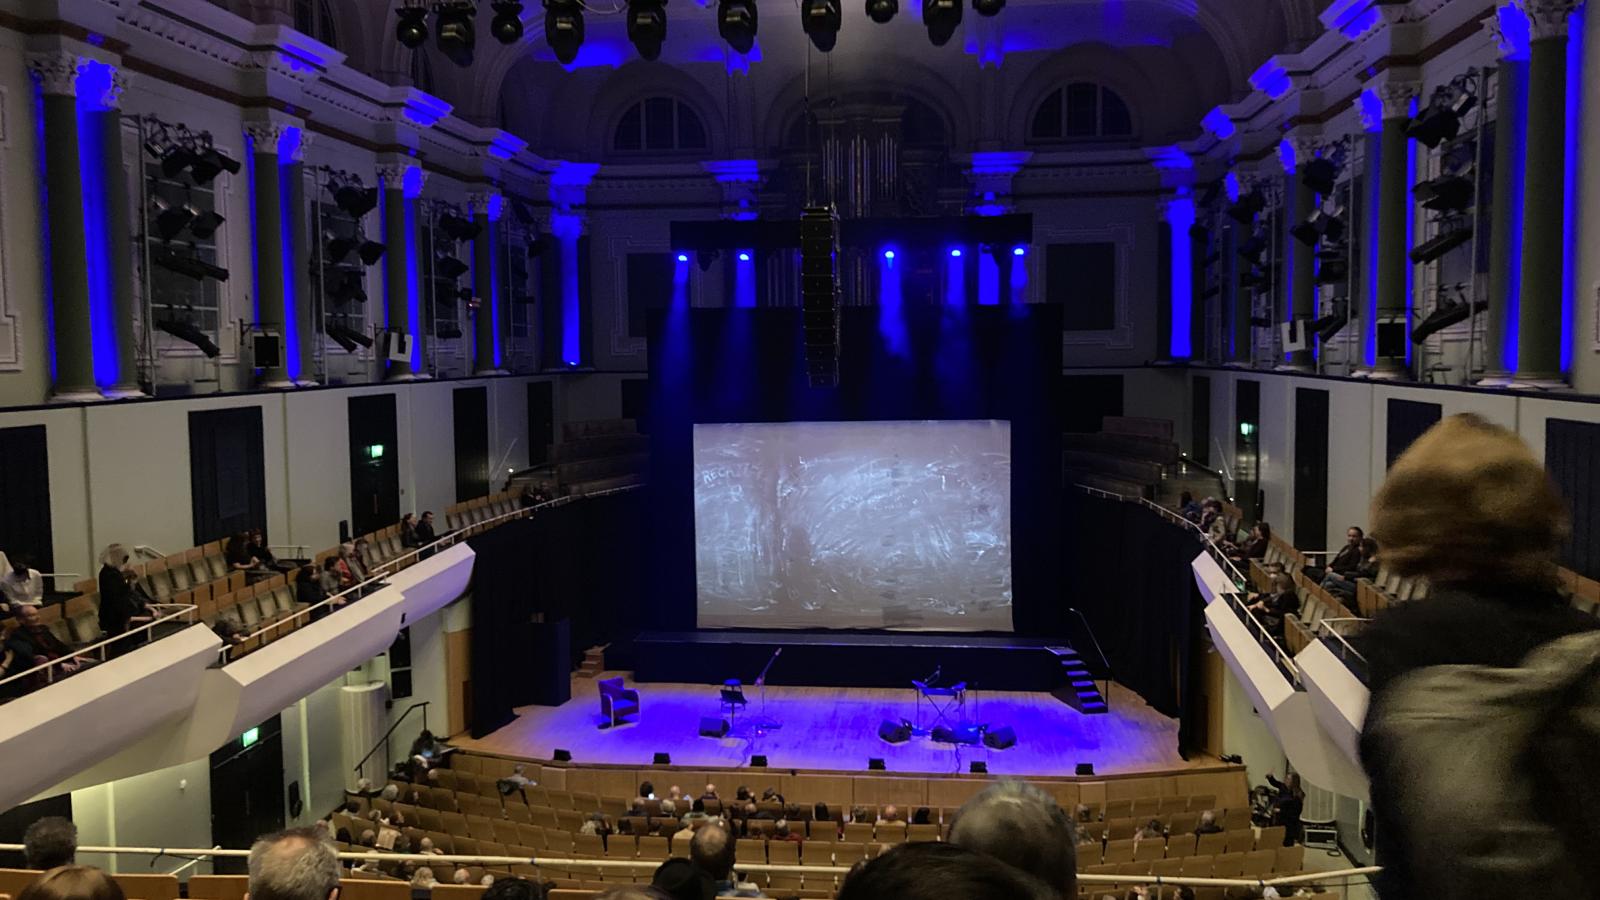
(1019, 824)
(712, 850)
(293, 865)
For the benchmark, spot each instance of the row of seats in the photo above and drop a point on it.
(1180, 845)
(1316, 604)
(472, 513)
(234, 887)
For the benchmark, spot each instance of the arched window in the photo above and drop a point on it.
(1082, 110)
(660, 123)
(315, 18)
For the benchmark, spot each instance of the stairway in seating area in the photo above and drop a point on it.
(594, 662)
(1080, 692)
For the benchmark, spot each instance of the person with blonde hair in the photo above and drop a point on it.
(1483, 694)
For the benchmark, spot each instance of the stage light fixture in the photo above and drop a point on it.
(1333, 271)
(459, 229)
(683, 257)
(1445, 315)
(1019, 251)
(210, 162)
(1085, 769)
(185, 331)
(1443, 243)
(1318, 226)
(821, 20)
(875, 764)
(955, 252)
(1441, 119)
(988, 8)
(371, 252)
(888, 254)
(1447, 193)
(563, 28)
(662, 759)
(205, 224)
(1331, 324)
(197, 269)
(355, 200)
(171, 220)
(176, 160)
(881, 11)
(647, 26)
(348, 289)
(449, 267)
(449, 331)
(562, 755)
(1244, 212)
(978, 767)
(1319, 175)
(744, 257)
(942, 18)
(346, 337)
(737, 22)
(506, 26)
(412, 29)
(338, 250)
(456, 36)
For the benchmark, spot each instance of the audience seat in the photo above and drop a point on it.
(364, 889)
(218, 887)
(149, 887)
(1271, 837)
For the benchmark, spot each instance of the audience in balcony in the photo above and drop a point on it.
(1279, 601)
(73, 883)
(1019, 825)
(1345, 562)
(50, 842)
(31, 644)
(365, 559)
(1481, 693)
(935, 870)
(1188, 508)
(1208, 823)
(21, 584)
(424, 533)
(239, 554)
(330, 578)
(408, 530)
(1343, 584)
(293, 865)
(122, 609)
(1255, 547)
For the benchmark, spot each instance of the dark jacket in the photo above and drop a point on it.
(1347, 560)
(117, 603)
(424, 534)
(1435, 691)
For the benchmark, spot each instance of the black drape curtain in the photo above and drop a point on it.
(227, 473)
(1128, 573)
(578, 562)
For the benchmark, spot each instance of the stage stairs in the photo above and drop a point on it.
(1081, 691)
(594, 662)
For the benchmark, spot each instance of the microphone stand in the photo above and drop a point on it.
(762, 723)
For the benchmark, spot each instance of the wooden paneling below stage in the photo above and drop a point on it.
(837, 729)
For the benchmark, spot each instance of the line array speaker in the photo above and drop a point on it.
(819, 293)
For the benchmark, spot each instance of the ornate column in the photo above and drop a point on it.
(402, 297)
(1390, 253)
(569, 188)
(105, 114)
(282, 286)
(1510, 118)
(487, 209)
(1539, 313)
(299, 346)
(1297, 302)
(72, 341)
(1236, 300)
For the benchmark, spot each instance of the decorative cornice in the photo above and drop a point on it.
(1397, 96)
(407, 176)
(57, 71)
(267, 137)
(488, 204)
(1548, 19)
(1508, 27)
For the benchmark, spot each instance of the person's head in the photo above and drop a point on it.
(305, 574)
(72, 883)
(1353, 535)
(781, 828)
(20, 564)
(749, 808)
(674, 792)
(922, 816)
(820, 812)
(712, 850)
(1281, 582)
(293, 865)
(1153, 827)
(115, 556)
(342, 836)
(633, 892)
(391, 792)
(1185, 498)
(668, 807)
(330, 564)
(425, 845)
(1023, 826)
(257, 536)
(514, 888)
(27, 615)
(462, 876)
(423, 875)
(1082, 813)
(130, 574)
(681, 879)
(1262, 530)
(699, 806)
(361, 545)
(891, 812)
(1369, 548)
(711, 790)
(1208, 818)
(347, 550)
(369, 838)
(934, 870)
(51, 841)
(741, 793)
(1468, 503)
(427, 517)
(646, 789)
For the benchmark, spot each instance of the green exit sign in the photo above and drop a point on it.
(375, 451)
(250, 737)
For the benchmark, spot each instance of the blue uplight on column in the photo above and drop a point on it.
(495, 209)
(680, 282)
(1569, 184)
(94, 80)
(1180, 218)
(1517, 32)
(955, 289)
(566, 227)
(891, 308)
(411, 186)
(1372, 114)
(744, 280)
(1411, 228)
(1019, 275)
(988, 279)
(288, 149)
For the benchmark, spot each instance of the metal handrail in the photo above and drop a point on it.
(415, 554)
(646, 866)
(175, 611)
(1281, 656)
(1325, 628)
(1104, 662)
(384, 741)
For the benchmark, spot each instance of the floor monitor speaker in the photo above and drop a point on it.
(713, 727)
(894, 732)
(1000, 738)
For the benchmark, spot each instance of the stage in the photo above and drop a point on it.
(836, 729)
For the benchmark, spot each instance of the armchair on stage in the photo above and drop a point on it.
(616, 701)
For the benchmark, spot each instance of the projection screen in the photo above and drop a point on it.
(896, 525)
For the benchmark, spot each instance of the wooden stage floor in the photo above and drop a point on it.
(837, 729)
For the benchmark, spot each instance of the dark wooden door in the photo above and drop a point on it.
(374, 463)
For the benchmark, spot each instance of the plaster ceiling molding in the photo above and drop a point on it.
(330, 94)
(157, 23)
(283, 51)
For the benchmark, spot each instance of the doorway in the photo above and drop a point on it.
(1200, 419)
(1310, 468)
(25, 496)
(374, 463)
(227, 480)
(1247, 448)
(472, 442)
(247, 791)
(541, 421)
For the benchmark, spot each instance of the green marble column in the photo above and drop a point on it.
(1539, 315)
(402, 184)
(300, 352)
(1300, 290)
(124, 287)
(270, 253)
(486, 264)
(1500, 356)
(71, 330)
(1393, 196)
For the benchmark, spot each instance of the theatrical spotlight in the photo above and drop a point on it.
(449, 267)
(1319, 175)
(1446, 314)
(412, 29)
(563, 28)
(185, 331)
(355, 200)
(1244, 212)
(736, 22)
(1447, 193)
(881, 11)
(197, 269)
(1319, 226)
(821, 20)
(647, 26)
(205, 224)
(456, 36)
(348, 289)
(172, 220)
(370, 252)
(1441, 120)
(942, 18)
(1332, 323)
(338, 250)
(209, 162)
(506, 26)
(449, 331)
(348, 338)
(459, 229)
(988, 8)
(1443, 243)
(175, 160)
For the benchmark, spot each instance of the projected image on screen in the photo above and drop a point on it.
(902, 525)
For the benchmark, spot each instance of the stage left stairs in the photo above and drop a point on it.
(1080, 692)
(594, 662)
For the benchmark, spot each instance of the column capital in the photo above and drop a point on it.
(1295, 151)
(1510, 42)
(285, 139)
(57, 71)
(405, 175)
(1548, 18)
(1396, 97)
(488, 204)
(110, 93)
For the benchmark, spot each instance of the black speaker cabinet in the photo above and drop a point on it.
(1000, 738)
(713, 727)
(547, 676)
(894, 732)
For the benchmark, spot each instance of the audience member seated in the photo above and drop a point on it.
(229, 630)
(73, 883)
(258, 548)
(408, 530)
(1346, 561)
(1208, 823)
(330, 577)
(1022, 826)
(710, 793)
(1280, 601)
(238, 554)
(1343, 585)
(781, 832)
(425, 535)
(50, 842)
(348, 578)
(31, 645)
(293, 865)
(514, 888)
(771, 795)
(680, 879)
(1152, 830)
(712, 851)
(647, 791)
(1188, 508)
(934, 870)
(21, 584)
(1255, 547)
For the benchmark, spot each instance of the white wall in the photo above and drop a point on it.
(120, 813)
(1246, 735)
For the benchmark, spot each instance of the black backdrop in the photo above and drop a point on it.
(952, 362)
(1131, 579)
(578, 562)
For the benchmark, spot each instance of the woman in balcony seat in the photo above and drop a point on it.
(1485, 696)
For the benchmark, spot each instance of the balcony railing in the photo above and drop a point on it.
(168, 615)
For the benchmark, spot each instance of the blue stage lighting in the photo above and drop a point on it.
(888, 254)
(1019, 251)
(683, 257)
(744, 257)
(956, 251)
